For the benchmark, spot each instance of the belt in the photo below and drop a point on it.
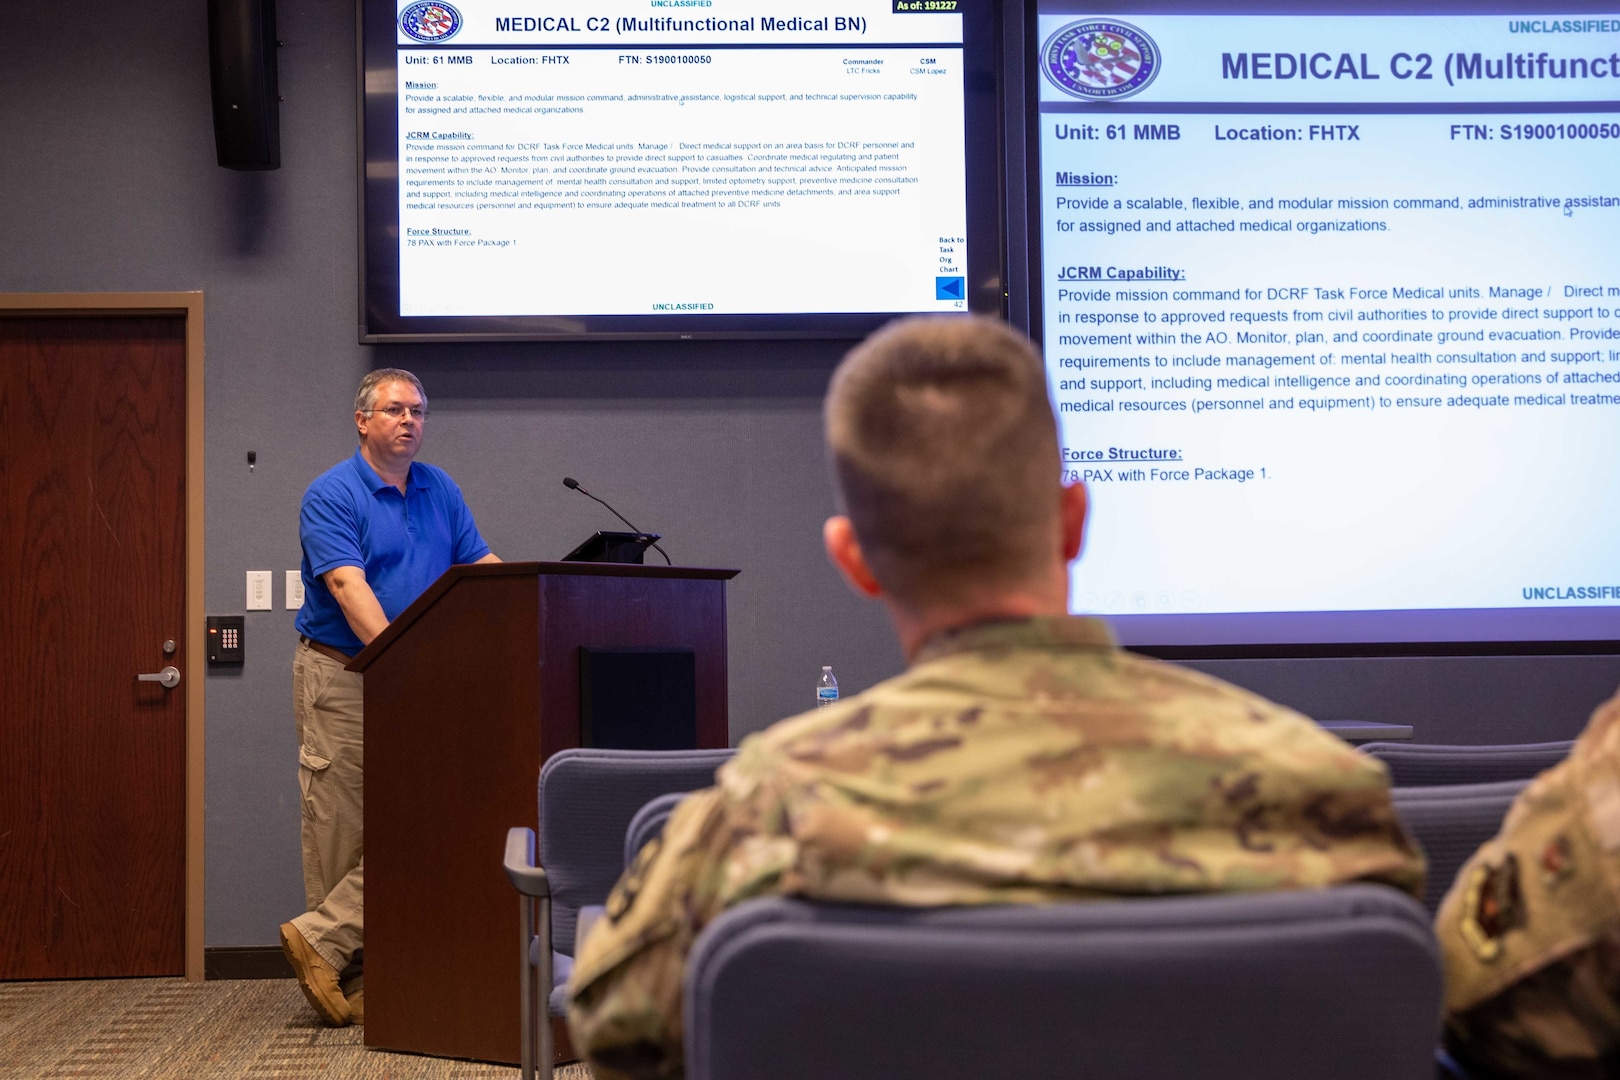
(326, 650)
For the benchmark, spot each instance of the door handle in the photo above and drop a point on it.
(169, 677)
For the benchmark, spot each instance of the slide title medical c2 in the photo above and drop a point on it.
(1456, 66)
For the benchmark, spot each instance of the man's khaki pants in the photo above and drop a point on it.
(327, 707)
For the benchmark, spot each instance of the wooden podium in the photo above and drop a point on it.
(466, 694)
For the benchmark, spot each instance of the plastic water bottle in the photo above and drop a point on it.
(826, 688)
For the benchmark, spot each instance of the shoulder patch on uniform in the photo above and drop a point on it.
(1492, 905)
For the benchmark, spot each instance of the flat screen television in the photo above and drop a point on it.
(676, 168)
(1329, 295)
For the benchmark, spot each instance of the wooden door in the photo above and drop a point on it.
(92, 584)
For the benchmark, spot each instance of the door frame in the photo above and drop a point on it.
(189, 306)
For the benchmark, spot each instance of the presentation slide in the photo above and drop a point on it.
(1331, 312)
(717, 158)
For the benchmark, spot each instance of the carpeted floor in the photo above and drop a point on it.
(142, 1029)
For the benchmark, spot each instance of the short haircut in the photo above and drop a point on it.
(944, 452)
(365, 399)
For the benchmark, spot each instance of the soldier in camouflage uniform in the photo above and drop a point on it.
(1022, 757)
(1530, 931)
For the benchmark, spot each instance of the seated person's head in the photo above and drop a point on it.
(945, 455)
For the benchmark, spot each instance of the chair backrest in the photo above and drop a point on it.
(1333, 984)
(1451, 821)
(587, 798)
(649, 822)
(1415, 764)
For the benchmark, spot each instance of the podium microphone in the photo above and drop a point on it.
(570, 482)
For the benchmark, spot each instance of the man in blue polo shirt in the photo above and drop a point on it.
(377, 530)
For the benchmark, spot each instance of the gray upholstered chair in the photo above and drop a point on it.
(1334, 984)
(587, 800)
(1450, 821)
(1417, 764)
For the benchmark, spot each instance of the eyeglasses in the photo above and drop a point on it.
(397, 412)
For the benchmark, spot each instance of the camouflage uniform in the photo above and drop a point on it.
(1530, 931)
(1020, 761)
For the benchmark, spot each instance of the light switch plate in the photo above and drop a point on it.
(258, 590)
(295, 590)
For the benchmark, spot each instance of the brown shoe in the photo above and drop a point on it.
(357, 1005)
(316, 978)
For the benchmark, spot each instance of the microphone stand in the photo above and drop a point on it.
(570, 482)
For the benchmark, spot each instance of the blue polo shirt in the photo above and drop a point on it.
(353, 517)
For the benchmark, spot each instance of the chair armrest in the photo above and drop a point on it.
(526, 877)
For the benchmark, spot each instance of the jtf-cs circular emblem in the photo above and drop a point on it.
(430, 20)
(1100, 59)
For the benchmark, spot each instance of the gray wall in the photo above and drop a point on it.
(109, 183)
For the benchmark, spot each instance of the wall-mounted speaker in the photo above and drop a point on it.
(242, 69)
